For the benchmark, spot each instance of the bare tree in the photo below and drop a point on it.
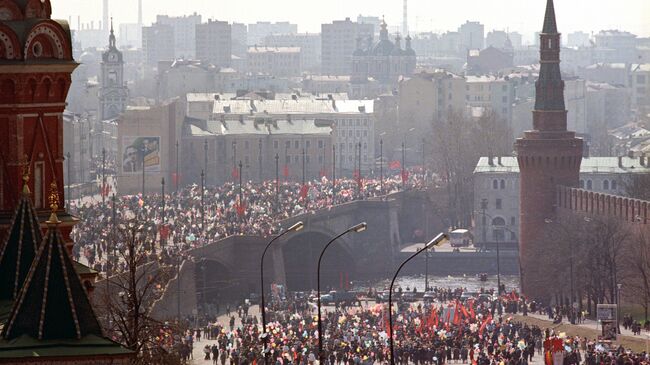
(133, 289)
(637, 186)
(637, 266)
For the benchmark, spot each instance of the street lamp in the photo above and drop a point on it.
(294, 228)
(356, 229)
(434, 242)
(496, 237)
(618, 307)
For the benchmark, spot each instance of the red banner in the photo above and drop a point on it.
(285, 171)
(394, 165)
(235, 173)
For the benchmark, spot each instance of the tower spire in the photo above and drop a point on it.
(550, 26)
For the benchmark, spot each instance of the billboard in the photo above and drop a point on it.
(139, 151)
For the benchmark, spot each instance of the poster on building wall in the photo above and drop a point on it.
(139, 151)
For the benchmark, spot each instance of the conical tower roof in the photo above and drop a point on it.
(550, 26)
(20, 246)
(53, 304)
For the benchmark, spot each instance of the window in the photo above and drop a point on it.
(287, 144)
(499, 204)
(589, 185)
(504, 99)
(320, 159)
(246, 161)
(307, 159)
(504, 87)
(287, 160)
(295, 159)
(320, 144)
(307, 144)
(276, 144)
(296, 144)
(582, 184)
(614, 185)
(245, 144)
(640, 79)
(512, 221)
(495, 184)
(513, 237)
(503, 184)
(606, 185)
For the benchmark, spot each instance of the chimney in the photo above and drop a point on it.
(620, 161)
(642, 160)
(499, 161)
(490, 160)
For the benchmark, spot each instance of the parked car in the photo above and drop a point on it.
(334, 297)
(429, 297)
(409, 297)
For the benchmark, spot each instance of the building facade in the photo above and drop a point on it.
(184, 33)
(548, 156)
(158, 43)
(384, 61)
(339, 43)
(113, 93)
(276, 61)
(214, 42)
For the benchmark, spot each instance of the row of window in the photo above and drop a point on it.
(351, 134)
(498, 184)
(357, 122)
(606, 185)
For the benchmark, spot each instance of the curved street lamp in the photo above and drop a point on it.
(356, 229)
(295, 228)
(434, 242)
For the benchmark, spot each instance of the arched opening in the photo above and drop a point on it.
(301, 259)
(215, 284)
(498, 232)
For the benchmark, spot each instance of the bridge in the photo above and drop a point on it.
(228, 269)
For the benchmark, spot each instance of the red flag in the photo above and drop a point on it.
(176, 178)
(405, 175)
(303, 191)
(464, 310)
(241, 208)
(471, 309)
(485, 322)
(235, 173)
(285, 171)
(457, 318)
(394, 165)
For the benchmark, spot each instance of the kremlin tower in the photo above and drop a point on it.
(548, 156)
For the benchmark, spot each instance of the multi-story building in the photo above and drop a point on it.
(291, 148)
(426, 98)
(496, 181)
(640, 86)
(113, 94)
(489, 61)
(309, 43)
(184, 33)
(260, 30)
(384, 61)
(609, 73)
(214, 42)
(239, 37)
(472, 35)
(354, 120)
(624, 44)
(497, 39)
(130, 35)
(374, 20)
(607, 106)
(491, 93)
(146, 139)
(158, 43)
(339, 43)
(578, 39)
(276, 61)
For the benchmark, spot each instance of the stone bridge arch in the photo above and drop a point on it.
(300, 258)
(215, 282)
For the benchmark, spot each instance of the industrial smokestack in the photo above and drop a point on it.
(105, 16)
(405, 22)
(139, 12)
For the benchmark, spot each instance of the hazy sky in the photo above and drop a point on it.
(438, 15)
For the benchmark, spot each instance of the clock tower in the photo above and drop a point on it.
(113, 94)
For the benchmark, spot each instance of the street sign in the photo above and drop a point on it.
(606, 312)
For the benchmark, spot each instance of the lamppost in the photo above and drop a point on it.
(143, 173)
(381, 165)
(496, 238)
(203, 205)
(205, 157)
(69, 160)
(359, 176)
(277, 182)
(259, 161)
(618, 307)
(177, 177)
(104, 177)
(356, 229)
(434, 242)
(240, 182)
(164, 217)
(294, 228)
(333, 165)
(234, 160)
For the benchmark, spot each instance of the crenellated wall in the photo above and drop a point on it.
(598, 204)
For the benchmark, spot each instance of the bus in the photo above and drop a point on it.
(460, 238)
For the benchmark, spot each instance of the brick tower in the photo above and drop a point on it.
(548, 156)
(35, 67)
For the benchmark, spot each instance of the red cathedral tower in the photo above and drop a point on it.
(548, 156)
(35, 68)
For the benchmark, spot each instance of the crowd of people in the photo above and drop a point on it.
(192, 219)
(444, 331)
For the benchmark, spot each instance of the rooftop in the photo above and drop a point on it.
(590, 165)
